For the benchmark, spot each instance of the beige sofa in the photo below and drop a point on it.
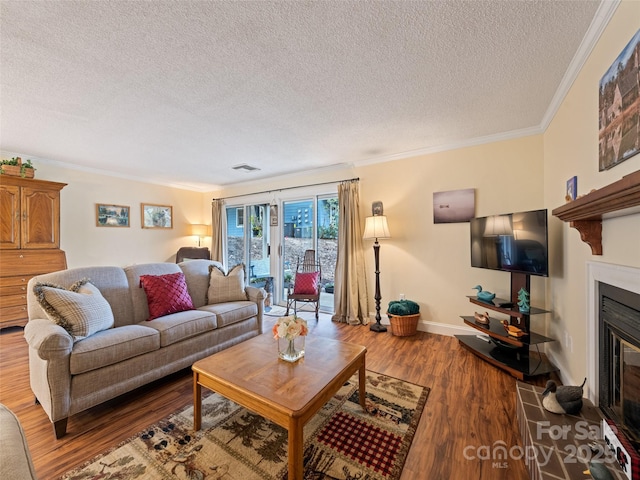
(68, 376)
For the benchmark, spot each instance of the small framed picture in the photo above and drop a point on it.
(112, 215)
(273, 215)
(156, 216)
(572, 189)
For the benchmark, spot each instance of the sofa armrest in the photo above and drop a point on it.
(49, 369)
(257, 295)
(15, 459)
(51, 341)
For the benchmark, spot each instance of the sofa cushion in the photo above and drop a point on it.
(166, 294)
(183, 325)
(232, 312)
(226, 288)
(197, 274)
(81, 310)
(113, 346)
(306, 283)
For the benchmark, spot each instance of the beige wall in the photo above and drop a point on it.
(430, 263)
(571, 148)
(86, 244)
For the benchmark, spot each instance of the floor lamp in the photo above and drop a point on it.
(376, 227)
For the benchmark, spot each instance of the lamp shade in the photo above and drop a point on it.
(376, 227)
(200, 230)
(498, 225)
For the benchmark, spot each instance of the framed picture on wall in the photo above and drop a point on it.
(619, 109)
(112, 215)
(454, 206)
(157, 216)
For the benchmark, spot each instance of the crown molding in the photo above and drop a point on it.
(601, 19)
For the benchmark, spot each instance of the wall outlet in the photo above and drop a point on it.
(402, 296)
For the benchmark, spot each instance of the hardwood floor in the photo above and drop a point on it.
(471, 405)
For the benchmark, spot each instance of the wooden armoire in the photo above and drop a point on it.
(29, 241)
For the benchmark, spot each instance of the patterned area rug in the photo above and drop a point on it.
(341, 441)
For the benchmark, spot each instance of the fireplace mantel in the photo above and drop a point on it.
(585, 214)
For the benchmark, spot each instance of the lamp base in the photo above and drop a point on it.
(377, 327)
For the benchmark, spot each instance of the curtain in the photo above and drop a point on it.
(350, 294)
(218, 231)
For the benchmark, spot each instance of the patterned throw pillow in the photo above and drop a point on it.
(81, 309)
(306, 283)
(226, 288)
(166, 294)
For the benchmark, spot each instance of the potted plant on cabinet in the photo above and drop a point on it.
(403, 317)
(16, 168)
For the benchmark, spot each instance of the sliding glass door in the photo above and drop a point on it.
(311, 224)
(248, 242)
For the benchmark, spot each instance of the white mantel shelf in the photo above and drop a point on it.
(585, 214)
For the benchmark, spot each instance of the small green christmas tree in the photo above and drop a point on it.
(523, 300)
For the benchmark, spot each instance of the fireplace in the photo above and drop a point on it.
(616, 289)
(619, 359)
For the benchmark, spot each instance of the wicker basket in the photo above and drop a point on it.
(404, 325)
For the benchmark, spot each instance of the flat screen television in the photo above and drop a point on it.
(511, 242)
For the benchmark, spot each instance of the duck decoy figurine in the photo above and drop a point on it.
(598, 471)
(513, 330)
(483, 295)
(482, 318)
(563, 399)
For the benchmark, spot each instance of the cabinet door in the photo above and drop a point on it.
(9, 217)
(40, 218)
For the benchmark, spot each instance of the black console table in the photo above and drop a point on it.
(502, 350)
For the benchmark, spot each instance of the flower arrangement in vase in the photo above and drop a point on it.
(290, 332)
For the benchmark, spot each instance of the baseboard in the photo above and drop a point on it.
(434, 327)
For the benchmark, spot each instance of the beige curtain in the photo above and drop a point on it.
(350, 294)
(218, 231)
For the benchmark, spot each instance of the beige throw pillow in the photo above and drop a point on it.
(226, 288)
(81, 310)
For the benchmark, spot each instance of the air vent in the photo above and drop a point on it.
(245, 167)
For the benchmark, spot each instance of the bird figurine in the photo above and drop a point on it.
(563, 399)
(482, 318)
(483, 295)
(598, 471)
(513, 330)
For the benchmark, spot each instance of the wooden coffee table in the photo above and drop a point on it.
(289, 394)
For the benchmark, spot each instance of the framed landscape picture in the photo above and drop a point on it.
(454, 206)
(157, 216)
(112, 215)
(619, 110)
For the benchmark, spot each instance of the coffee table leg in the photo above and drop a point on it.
(197, 403)
(296, 440)
(362, 387)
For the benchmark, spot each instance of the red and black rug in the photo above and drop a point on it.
(341, 442)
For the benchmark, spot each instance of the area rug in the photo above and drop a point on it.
(342, 441)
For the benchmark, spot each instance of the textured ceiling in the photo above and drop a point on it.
(179, 92)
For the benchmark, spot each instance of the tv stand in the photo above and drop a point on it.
(504, 351)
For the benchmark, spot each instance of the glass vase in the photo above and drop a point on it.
(291, 350)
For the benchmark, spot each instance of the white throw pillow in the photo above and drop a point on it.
(81, 309)
(226, 288)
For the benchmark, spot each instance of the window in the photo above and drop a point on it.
(239, 217)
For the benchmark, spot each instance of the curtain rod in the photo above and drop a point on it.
(289, 188)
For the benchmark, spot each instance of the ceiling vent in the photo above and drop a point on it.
(245, 167)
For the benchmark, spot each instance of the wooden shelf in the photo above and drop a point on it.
(585, 214)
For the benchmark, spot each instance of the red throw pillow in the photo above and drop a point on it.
(306, 283)
(166, 294)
